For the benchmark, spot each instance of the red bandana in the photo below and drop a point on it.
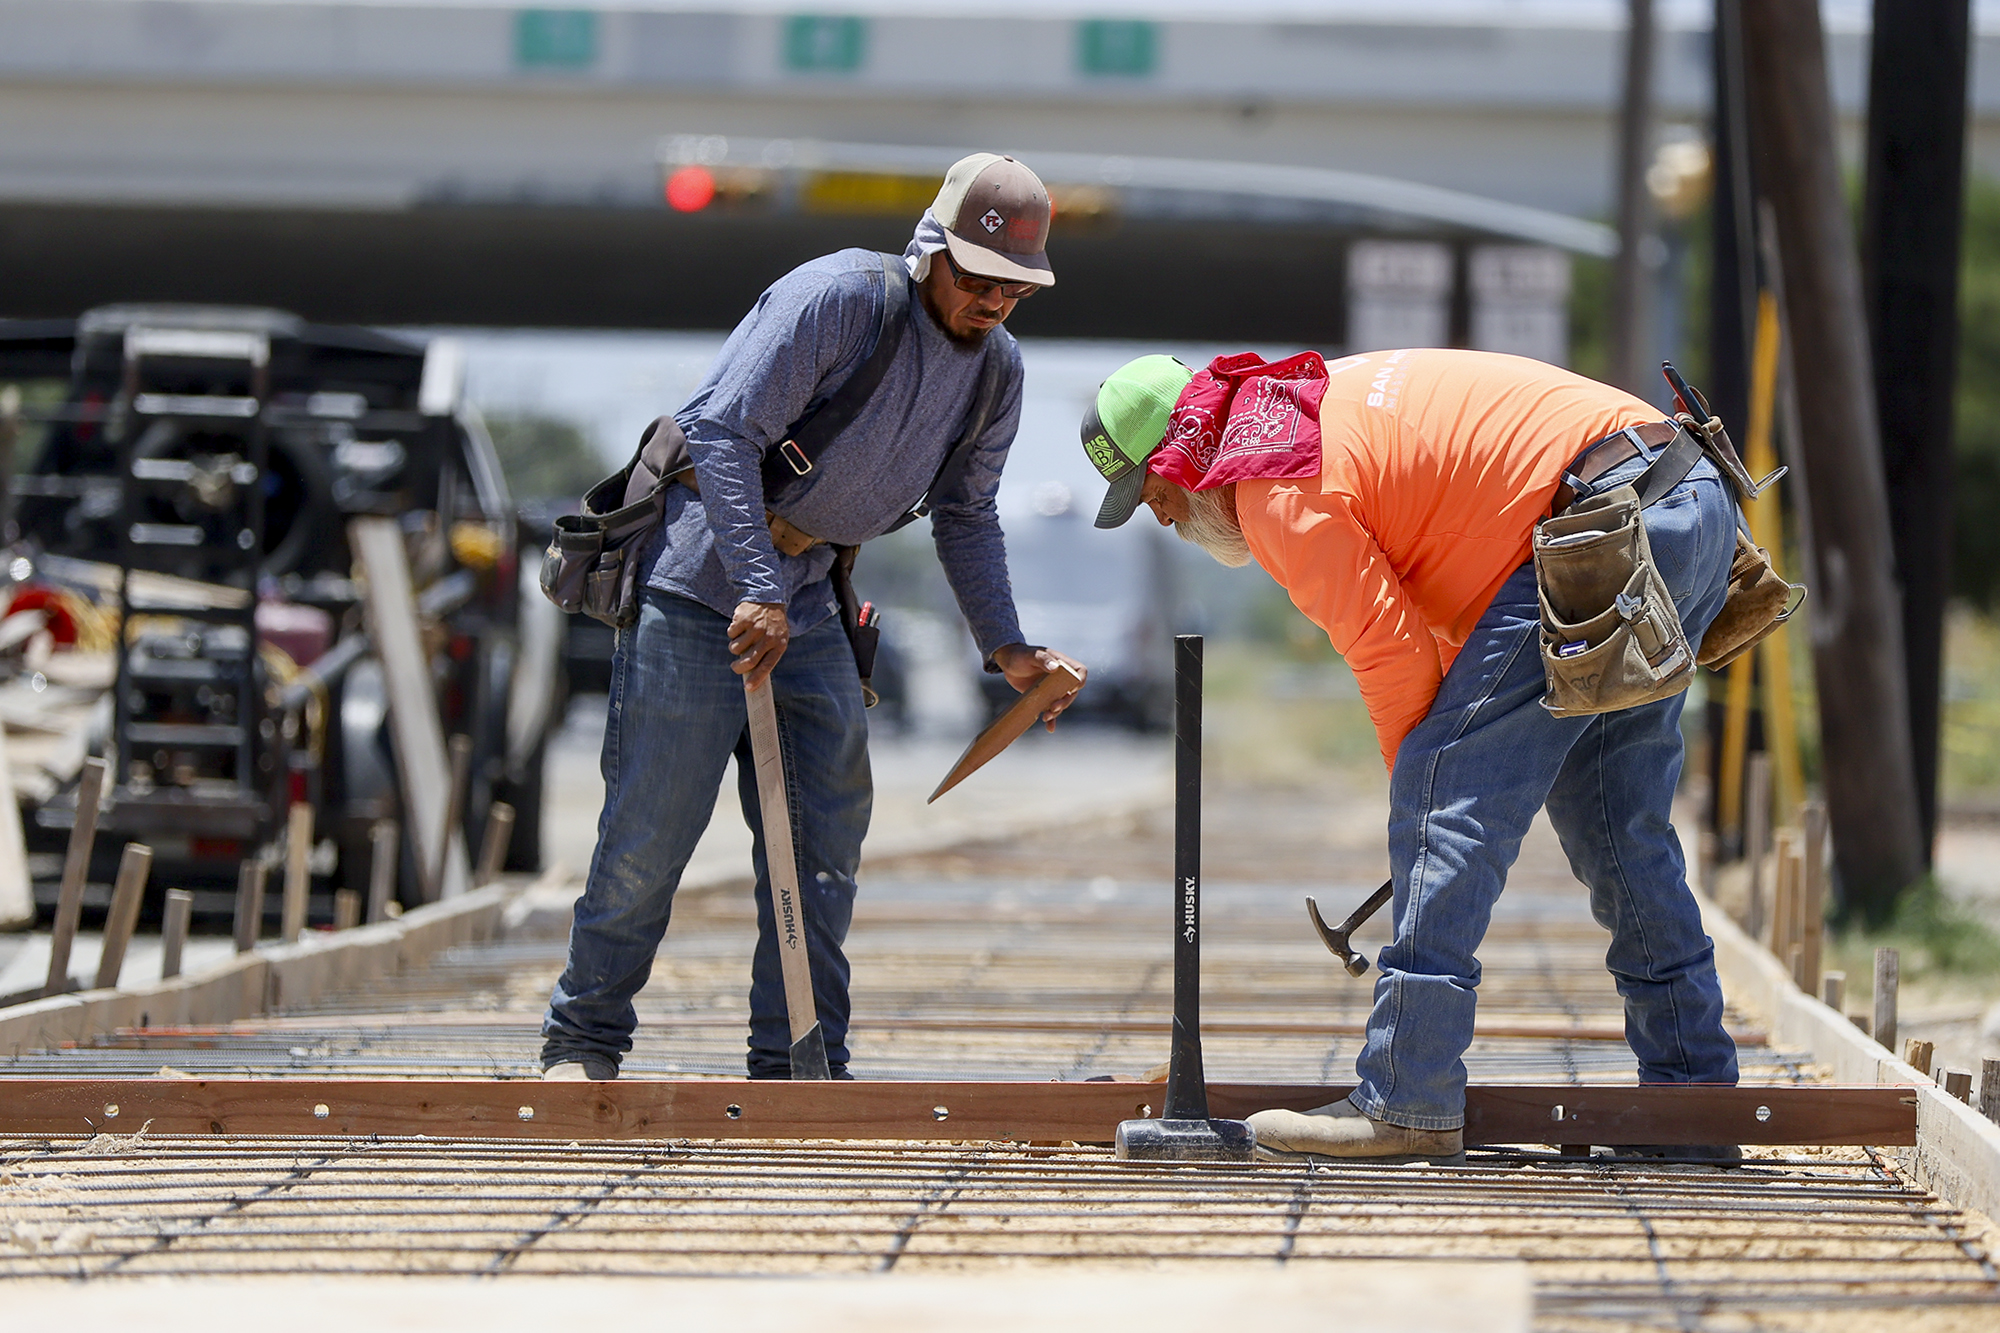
(1242, 418)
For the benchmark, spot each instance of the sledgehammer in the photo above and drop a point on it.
(1184, 1133)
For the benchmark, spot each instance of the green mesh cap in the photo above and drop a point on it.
(1126, 424)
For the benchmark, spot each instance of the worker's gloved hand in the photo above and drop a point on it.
(758, 635)
(1024, 665)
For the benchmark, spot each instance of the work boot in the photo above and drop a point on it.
(580, 1069)
(1341, 1130)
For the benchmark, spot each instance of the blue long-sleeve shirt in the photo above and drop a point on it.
(802, 339)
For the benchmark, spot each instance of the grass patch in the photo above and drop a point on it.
(1938, 941)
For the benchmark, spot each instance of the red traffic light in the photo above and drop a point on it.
(690, 189)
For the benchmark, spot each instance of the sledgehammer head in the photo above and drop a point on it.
(1185, 1141)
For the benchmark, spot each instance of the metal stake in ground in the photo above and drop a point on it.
(808, 1042)
(1184, 1132)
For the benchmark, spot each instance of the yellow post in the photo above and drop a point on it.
(1767, 529)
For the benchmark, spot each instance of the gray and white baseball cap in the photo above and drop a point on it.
(995, 214)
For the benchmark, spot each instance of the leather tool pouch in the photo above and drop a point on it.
(1758, 602)
(593, 561)
(1611, 637)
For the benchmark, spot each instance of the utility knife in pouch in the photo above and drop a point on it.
(1610, 635)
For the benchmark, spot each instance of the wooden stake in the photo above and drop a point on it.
(454, 811)
(1860, 1021)
(1917, 1054)
(1011, 725)
(1784, 898)
(1757, 826)
(1958, 1083)
(493, 846)
(17, 887)
(298, 871)
(250, 903)
(76, 870)
(1989, 1089)
(1812, 886)
(174, 931)
(126, 894)
(425, 773)
(1833, 990)
(1886, 975)
(346, 909)
(384, 855)
(1794, 857)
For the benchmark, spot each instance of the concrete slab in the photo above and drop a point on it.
(1359, 1296)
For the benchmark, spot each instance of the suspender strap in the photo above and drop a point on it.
(794, 455)
(977, 417)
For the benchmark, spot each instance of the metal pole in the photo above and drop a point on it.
(1857, 621)
(1187, 1084)
(1912, 217)
(1631, 275)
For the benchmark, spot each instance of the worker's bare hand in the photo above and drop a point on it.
(758, 635)
(1024, 667)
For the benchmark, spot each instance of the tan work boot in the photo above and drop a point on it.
(1341, 1130)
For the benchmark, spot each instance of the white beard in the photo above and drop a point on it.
(1209, 526)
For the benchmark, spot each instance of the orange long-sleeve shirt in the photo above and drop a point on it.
(1436, 465)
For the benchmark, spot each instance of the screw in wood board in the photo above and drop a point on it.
(1886, 974)
(174, 931)
(1833, 990)
(1989, 1089)
(1917, 1055)
(1958, 1083)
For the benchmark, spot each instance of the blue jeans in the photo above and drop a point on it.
(676, 716)
(1467, 783)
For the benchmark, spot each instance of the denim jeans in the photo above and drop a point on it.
(1467, 783)
(676, 716)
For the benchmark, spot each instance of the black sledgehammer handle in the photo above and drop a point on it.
(1187, 1085)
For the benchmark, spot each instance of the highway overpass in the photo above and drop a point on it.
(491, 164)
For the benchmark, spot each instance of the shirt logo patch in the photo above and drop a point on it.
(991, 220)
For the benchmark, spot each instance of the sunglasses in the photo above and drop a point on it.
(978, 286)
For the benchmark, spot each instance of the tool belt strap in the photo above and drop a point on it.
(1667, 471)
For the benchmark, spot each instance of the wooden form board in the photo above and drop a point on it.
(1881, 1116)
(414, 728)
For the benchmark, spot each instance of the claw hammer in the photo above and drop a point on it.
(1335, 938)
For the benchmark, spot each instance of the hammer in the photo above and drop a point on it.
(1336, 939)
(1185, 1132)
